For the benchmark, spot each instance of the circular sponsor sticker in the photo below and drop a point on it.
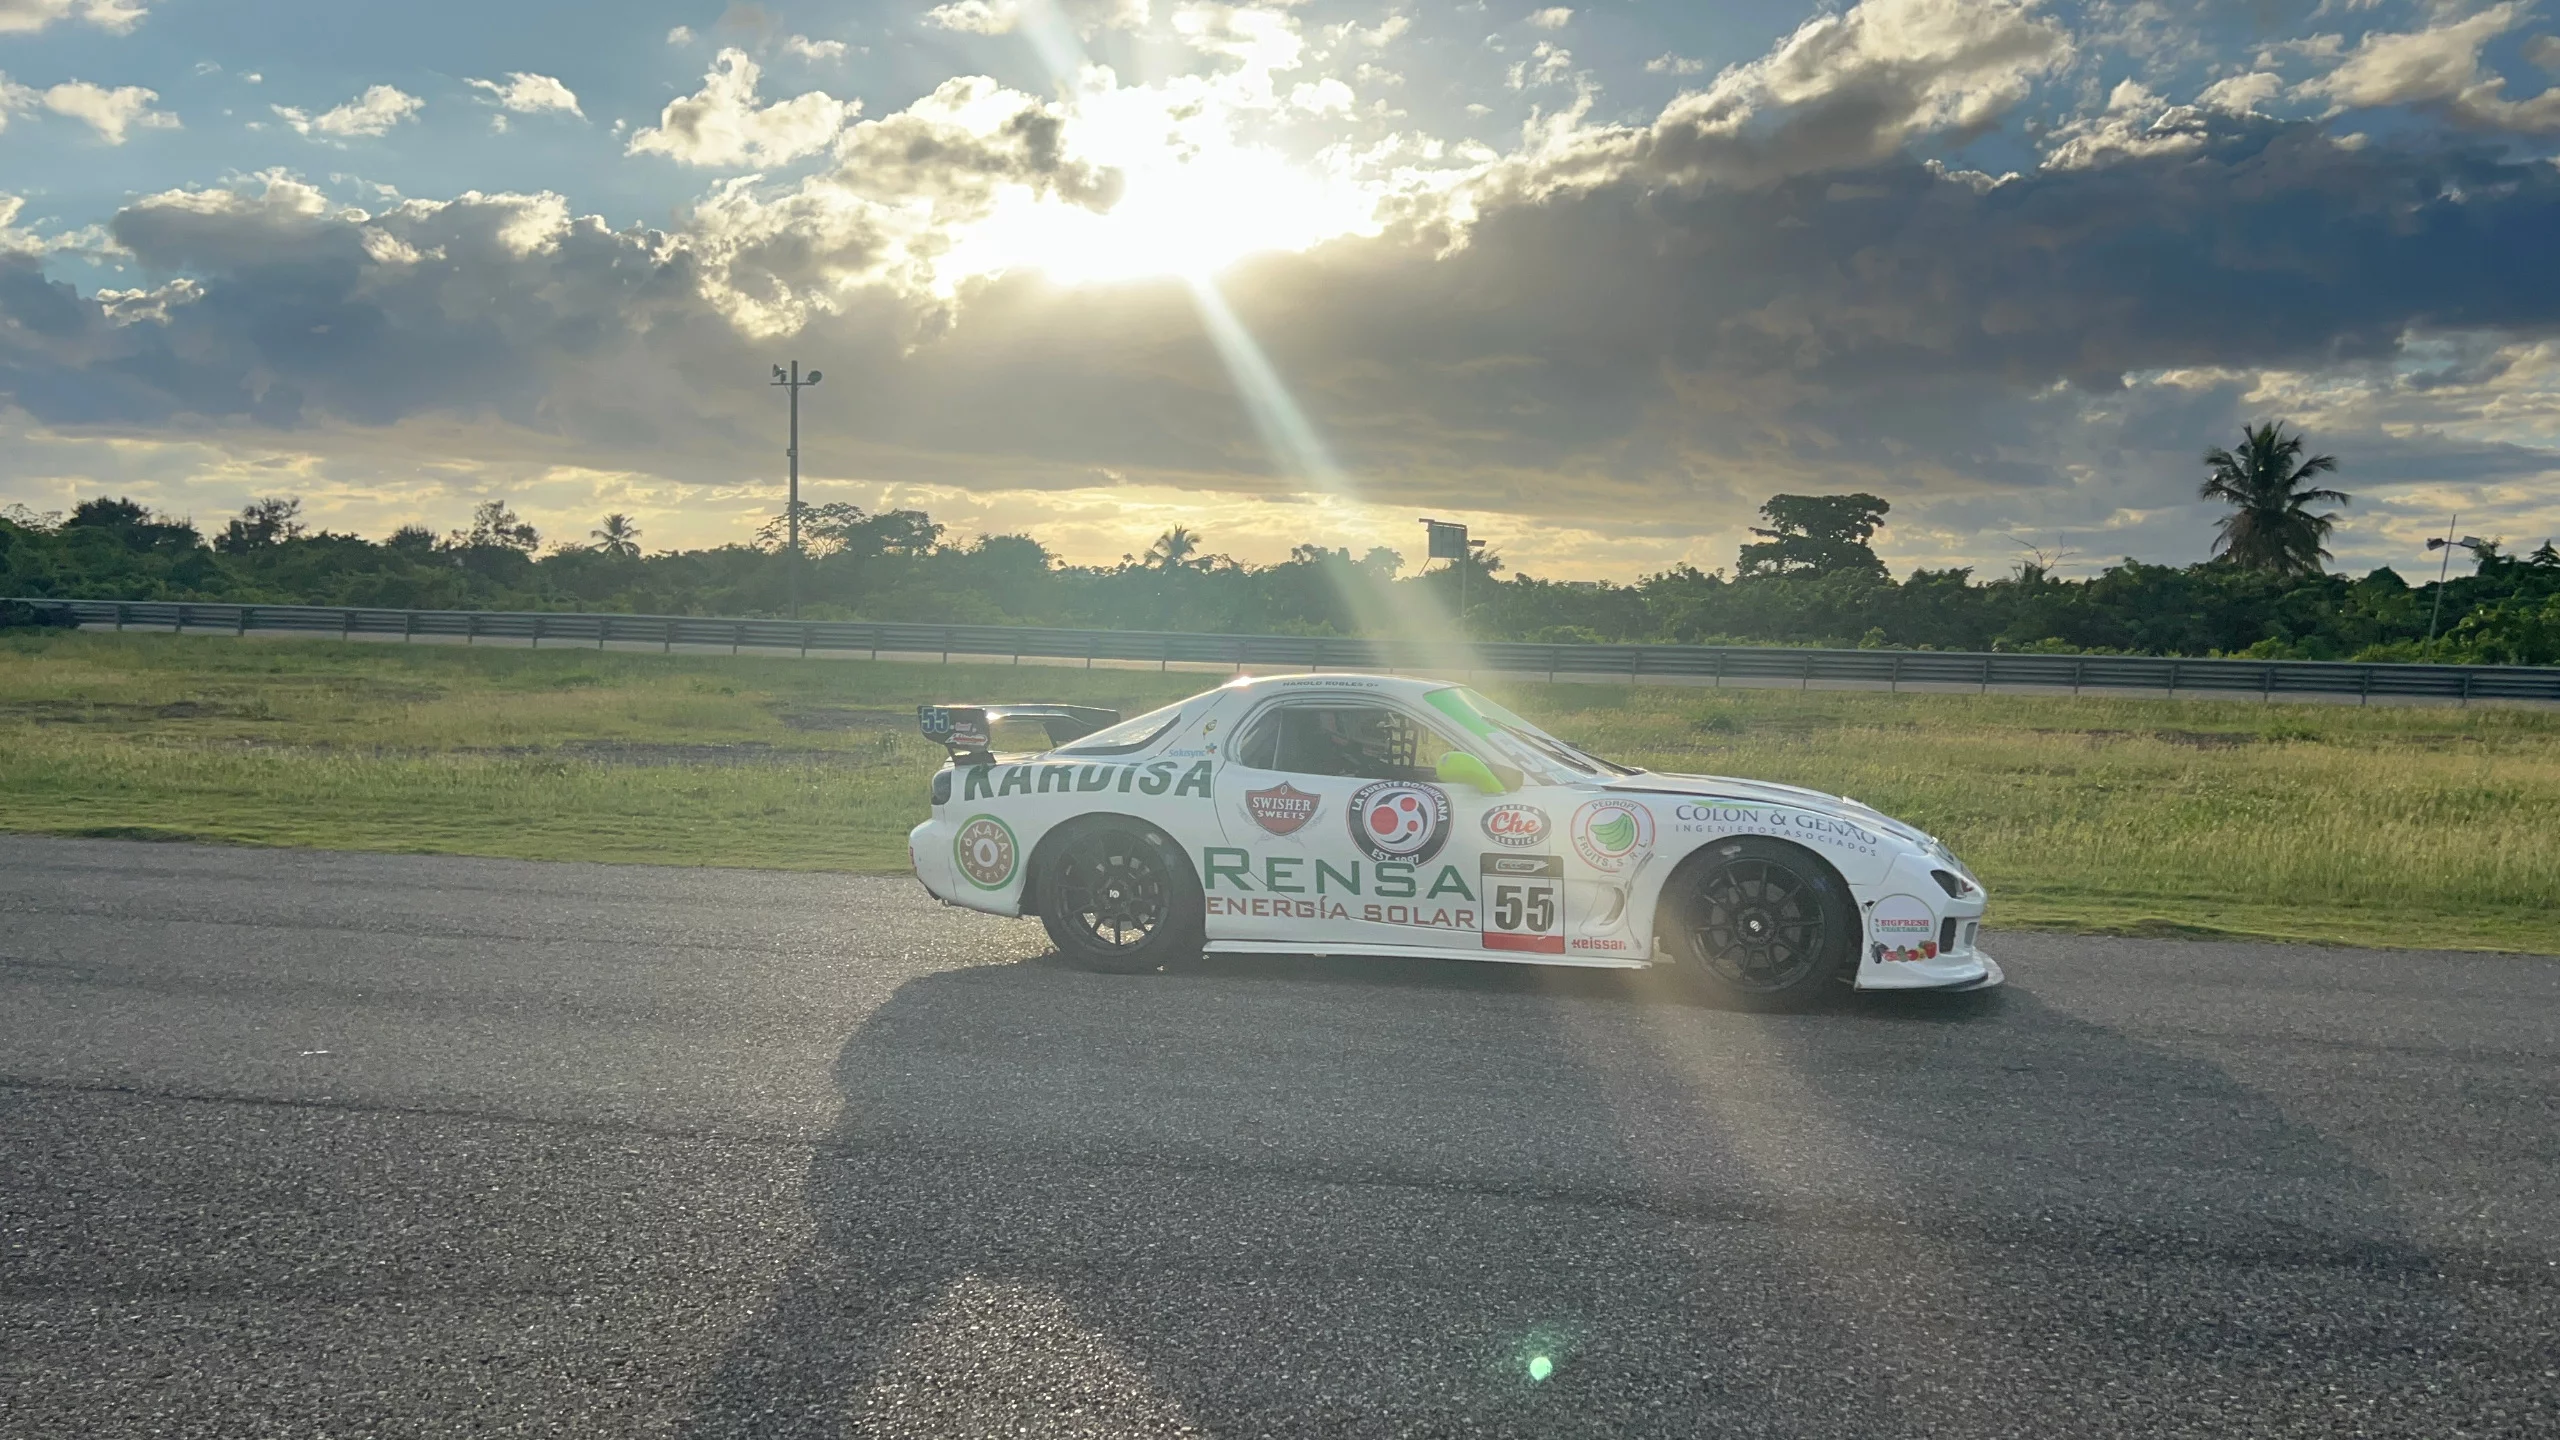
(1902, 920)
(1609, 833)
(1400, 820)
(1516, 827)
(985, 851)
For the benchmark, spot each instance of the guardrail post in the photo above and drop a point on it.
(1986, 676)
(537, 630)
(2269, 681)
(2466, 689)
(408, 627)
(875, 642)
(2364, 686)
(804, 642)
(2173, 679)
(471, 627)
(946, 644)
(737, 635)
(181, 627)
(119, 617)
(1893, 681)
(243, 619)
(346, 623)
(604, 625)
(667, 642)
(1717, 674)
(2079, 667)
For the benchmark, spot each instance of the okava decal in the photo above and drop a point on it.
(985, 851)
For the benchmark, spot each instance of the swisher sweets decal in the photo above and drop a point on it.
(1284, 809)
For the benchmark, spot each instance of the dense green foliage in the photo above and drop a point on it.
(1809, 586)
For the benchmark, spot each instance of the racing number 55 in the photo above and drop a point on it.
(1527, 910)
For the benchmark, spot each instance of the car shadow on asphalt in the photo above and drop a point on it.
(1283, 1197)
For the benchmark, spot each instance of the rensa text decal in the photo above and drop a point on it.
(1400, 820)
(1516, 827)
(1226, 868)
(1061, 777)
(1284, 809)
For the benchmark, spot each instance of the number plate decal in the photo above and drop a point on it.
(1524, 903)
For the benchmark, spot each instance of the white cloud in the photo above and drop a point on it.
(2241, 94)
(117, 17)
(14, 96)
(109, 112)
(722, 125)
(1327, 96)
(1549, 64)
(1667, 64)
(1554, 17)
(976, 17)
(528, 94)
(2439, 69)
(681, 35)
(818, 50)
(371, 114)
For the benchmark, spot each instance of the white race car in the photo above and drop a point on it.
(1377, 815)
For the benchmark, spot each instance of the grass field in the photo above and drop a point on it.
(2427, 827)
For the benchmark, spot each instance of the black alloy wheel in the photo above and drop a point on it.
(1763, 924)
(1119, 896)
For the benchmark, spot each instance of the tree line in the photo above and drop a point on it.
(1811, 577)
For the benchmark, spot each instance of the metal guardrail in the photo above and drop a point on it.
(1715, 663)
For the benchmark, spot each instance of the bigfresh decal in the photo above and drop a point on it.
(985, 851)
(1400, 820)
(1609, 833)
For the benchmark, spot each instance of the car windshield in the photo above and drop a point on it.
(1516, 742)
(1131, 735)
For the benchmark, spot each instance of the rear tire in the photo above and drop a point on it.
(1120, 897)
(1761, 925)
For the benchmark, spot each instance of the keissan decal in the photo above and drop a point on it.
(1903, 922)
(1524, 903)
(1284, 809)
(1587, 942)
(1400, 820)
(1609, 833)
(985, 851)
(1516, 827)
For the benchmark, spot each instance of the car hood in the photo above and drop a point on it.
(1760, 792)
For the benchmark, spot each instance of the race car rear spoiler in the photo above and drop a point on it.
(968, 731)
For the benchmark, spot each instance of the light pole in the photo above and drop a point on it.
(2448, 545)
(793, 381)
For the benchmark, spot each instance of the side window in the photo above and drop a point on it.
(1364, 742)
(1259, 746)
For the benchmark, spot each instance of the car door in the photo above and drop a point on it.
(1339, 830)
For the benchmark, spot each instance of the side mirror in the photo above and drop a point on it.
(1457, 767)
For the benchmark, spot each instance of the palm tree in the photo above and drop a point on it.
(2271, 525)
(619, 538)
(1174, 548)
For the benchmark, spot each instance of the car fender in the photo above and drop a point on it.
(1000, 814)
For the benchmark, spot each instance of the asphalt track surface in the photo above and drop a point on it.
(313, 1144)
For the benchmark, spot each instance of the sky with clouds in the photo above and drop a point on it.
(1596, 278)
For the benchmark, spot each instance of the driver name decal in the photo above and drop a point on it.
(1400, 820)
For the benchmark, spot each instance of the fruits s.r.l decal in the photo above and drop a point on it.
(1400, 820)
(1609, 833)
(1516, 827)
(985, 851)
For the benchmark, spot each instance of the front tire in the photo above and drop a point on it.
(1120, 897)
(1761, 924)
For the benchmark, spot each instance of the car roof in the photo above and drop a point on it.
(1401, 687)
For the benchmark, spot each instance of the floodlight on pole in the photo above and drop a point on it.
(2448, 545)
(1447, 540)
(795, 382)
